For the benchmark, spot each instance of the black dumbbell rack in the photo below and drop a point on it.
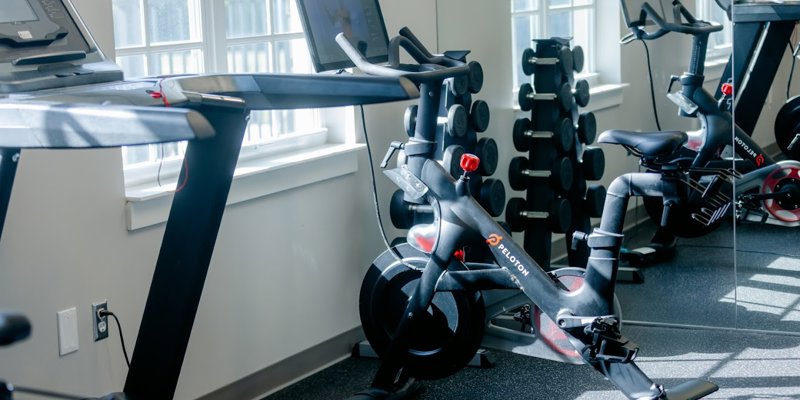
(559, 163)
(460, 121)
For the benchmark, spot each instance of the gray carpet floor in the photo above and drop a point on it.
(701, 286)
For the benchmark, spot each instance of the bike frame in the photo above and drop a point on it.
(718, 128)
(462, 221)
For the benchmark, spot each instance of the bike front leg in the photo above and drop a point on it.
(389, 375)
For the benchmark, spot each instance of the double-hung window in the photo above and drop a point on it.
(542, 19)
(162, 37)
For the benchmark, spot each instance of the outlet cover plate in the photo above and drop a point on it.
(67, 331)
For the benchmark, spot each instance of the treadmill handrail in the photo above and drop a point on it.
(34, 124)
(287, 91)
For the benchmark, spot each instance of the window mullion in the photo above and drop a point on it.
(216, 42)
(270, 13)
(544, 17)
(147, 36)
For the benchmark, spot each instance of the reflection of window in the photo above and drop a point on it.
(719, 44)
(537, 19)
(159, 37)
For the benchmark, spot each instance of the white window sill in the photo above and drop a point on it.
(715, 67)
(602, 96)
(605, 96)
(149, 205)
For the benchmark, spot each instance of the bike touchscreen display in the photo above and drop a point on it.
(16, 11)
(631, 10)
(361, 22)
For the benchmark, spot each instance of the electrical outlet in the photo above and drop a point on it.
(99, 322)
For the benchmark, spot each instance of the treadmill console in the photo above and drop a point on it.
(44, 45)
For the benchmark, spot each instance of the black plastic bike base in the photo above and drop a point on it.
(482, 358)
(691, 390)
(629, 275)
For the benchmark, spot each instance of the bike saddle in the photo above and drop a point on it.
(13, 328)
(648, 144)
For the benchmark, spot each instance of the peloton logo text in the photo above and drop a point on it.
(758, 157)
(494, 240)
(518, 265)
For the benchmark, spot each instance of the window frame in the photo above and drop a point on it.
(542, 10)
(717, 53)
(214, 43)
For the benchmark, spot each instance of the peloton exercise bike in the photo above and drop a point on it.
(766, 190)
(58, 91)
(423, 309)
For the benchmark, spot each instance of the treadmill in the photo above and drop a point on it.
(58, 91)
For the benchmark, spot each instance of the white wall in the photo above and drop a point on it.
(286, 269)
(284, 277)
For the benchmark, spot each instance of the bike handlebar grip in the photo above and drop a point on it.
(405, 32)
(413, 50)
(438, 69)
(361, 62)
(648, 12)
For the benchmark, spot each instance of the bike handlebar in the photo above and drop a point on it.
(430, 68)
(692, 26)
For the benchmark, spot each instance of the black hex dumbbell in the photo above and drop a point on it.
(486, 150)
(587, 128)
(595, 200)
(410, 120)
(563, 136)
(593, 163)
(492, 196)
(577, 58)
(479, 116)
(475, 77)
(563, 97)
(560, 174)
(530, 61)
(451, 159)
(403, 213)
(458, 85)
(558, 218)
(457, 120)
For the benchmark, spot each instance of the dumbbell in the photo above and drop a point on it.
(595, 200)
(563, 136)
(451, 159)
(530, 61)
(486, 150)
(450, 99)
(457, 120)
(492, 196)
(594, 163)
(403, 213)
(458, 85)
(558, 218)
(587, 128)
(410, 120)
(577, 58)
(560, 174)
(479, 116)
(563, 97)
(475, 76)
